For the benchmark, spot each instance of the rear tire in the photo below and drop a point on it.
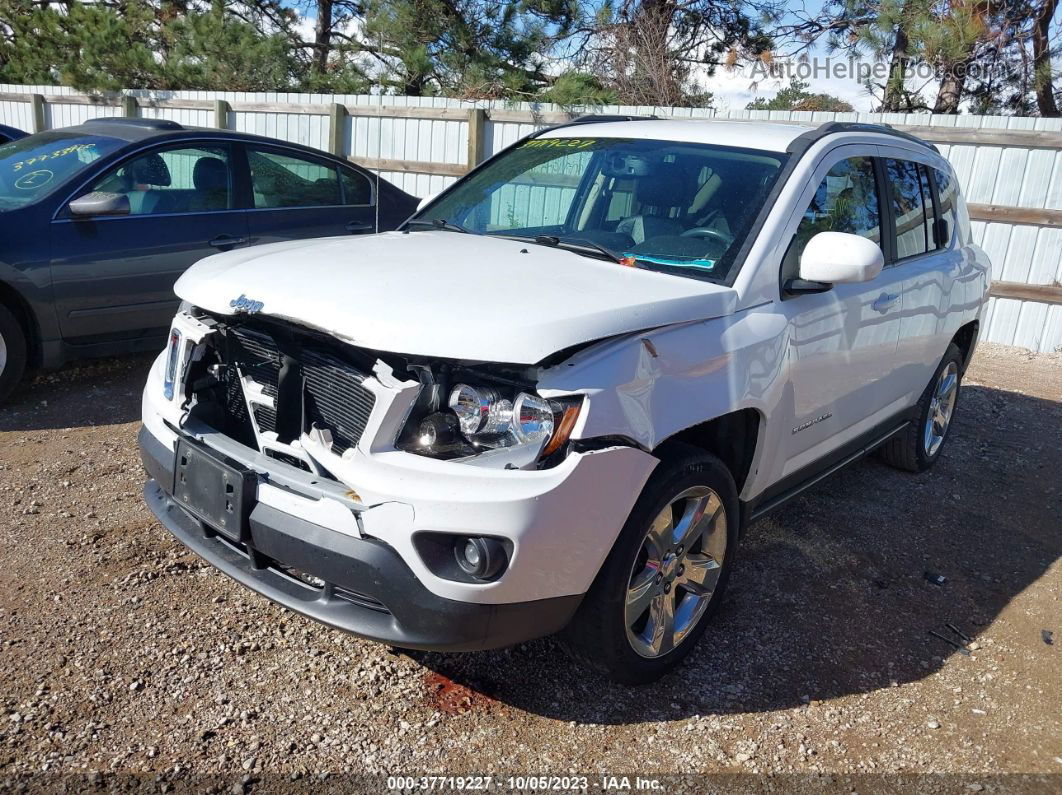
(917, 447)
(12, 352)
(666, 573)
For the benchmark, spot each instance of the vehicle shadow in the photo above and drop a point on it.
(96, 392)
(829, 596)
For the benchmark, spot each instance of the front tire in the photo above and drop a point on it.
(12, 352)
(666, 574)
(917, 447)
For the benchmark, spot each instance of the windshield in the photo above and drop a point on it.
(675, 207)
(31, 168)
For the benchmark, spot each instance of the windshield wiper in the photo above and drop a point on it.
(438, 223)
(585, 247)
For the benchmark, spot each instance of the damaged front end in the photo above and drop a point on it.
(303, 397)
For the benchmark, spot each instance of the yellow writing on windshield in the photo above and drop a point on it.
(18, 165)
(558, 143)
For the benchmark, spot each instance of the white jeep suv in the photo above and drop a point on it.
(556, 396)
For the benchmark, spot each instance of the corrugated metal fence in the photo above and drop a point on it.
(1010, 168)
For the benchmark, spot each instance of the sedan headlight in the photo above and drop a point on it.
(478, 419)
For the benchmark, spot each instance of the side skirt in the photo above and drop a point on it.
(789, 487)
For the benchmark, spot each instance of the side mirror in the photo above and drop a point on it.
(100, 203)
(426, 201)
(840, 257)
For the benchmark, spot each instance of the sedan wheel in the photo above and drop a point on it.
(12, 352)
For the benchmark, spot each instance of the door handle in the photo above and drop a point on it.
(359, 227)
(227, 241)
(885, 302)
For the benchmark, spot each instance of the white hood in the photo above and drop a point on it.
(450, 295)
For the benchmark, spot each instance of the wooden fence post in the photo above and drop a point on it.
(337, 129)
(221, 114)
(129, 105)
(37, 107)
(477, 126)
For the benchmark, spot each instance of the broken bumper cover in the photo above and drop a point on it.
(368, 589)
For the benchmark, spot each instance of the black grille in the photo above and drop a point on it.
(336, 397)
(334, 393)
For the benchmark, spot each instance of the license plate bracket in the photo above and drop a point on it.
(216, 490)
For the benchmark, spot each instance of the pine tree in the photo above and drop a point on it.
(795, 96)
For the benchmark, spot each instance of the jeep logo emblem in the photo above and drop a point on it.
(245, 304)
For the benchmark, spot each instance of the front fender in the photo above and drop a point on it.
(650, 386)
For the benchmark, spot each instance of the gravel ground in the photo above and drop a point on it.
(124, 654)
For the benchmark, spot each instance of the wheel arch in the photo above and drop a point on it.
(965, 340)
(731, 437)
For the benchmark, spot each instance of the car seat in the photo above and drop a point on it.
(667, 187)
(141, 176)
(211, 179)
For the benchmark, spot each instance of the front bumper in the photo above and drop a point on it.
(368, 588)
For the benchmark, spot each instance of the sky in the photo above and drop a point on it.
(734, 90)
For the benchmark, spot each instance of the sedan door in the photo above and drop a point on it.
(113, 276)
(296, 196)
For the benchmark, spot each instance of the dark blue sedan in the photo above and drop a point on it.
(98, 221)
(10, 134)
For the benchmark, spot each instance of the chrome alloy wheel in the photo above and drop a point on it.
(676, 571)
(941, 407)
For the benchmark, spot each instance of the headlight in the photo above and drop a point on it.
(532, 419)
(480, 412)
(478, 419)
(171, 363)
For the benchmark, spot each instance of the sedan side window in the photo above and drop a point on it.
(283, 180)
(183, 180)
(845, 201)
(357, 190)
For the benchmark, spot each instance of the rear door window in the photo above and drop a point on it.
(909, 207)
(357, 189)
(287, 180)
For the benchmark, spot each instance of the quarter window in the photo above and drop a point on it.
(947, 196)
(908, 207)
(289, 181)
(183, 180)
(845, 201)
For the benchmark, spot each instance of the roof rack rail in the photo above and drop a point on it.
(802, 142)
(128, 121)
(591, 118)
(594, 118)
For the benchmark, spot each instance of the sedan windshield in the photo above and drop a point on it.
(31, 168)
(675, 207)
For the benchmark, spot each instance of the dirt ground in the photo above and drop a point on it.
(124, 654)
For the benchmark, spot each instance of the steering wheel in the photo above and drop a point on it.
(707, 231)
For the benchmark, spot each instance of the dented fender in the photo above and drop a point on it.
(650, 386)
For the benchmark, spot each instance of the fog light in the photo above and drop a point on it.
(478, 557)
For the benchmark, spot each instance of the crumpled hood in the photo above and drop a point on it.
(450, 295)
